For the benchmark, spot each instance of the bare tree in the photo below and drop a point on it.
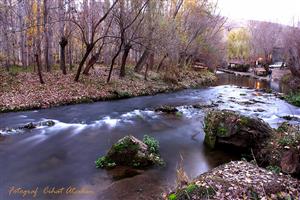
(90, 38)
(292, 47)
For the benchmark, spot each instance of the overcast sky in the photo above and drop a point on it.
(280, 11)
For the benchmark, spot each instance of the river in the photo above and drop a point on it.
(50, 158)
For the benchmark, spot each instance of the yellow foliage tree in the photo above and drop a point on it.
(238, 44)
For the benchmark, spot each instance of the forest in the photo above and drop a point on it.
(74, 35)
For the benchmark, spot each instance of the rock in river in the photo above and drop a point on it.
(130, 151)
(167, 109)
(228, 128)
(33, 125)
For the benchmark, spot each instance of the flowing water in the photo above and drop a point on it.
(50, 158)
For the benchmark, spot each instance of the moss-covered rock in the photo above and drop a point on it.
(129, 151)
(232, 129)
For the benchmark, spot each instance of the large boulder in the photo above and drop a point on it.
(228, 128)
(130, 151)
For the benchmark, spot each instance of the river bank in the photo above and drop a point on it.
(23, 91)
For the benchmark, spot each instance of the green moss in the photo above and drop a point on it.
(222, 131)
(210, 137)
(172, 197)
(274, 169)
(104, 162)
(244, 121)
(136, 164)
(293, 98)
(194, 190)
(179, 114)
(284, 127)
(191, 188)
(286, 141)
(152, 143)
(125, 144)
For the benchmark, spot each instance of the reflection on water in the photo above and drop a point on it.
(64, 155)
(231, 79)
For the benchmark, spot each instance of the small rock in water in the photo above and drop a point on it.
(167, 109)
(201, 106)
(33, 125)
(30, 126)
(259, 110)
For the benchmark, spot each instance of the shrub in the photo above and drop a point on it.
(286, 141)
(103, 162)
(191, 188)
(152, 143)
(125, 144)
(172, 197)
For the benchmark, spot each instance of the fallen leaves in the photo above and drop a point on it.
(23, 91)
(243, 180)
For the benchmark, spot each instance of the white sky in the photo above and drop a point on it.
(280, 11)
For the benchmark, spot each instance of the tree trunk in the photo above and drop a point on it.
(161, 63)
(151, 61)
(37, 60)
(124, 59)
(88, 50)
(63, 43)
(46, 34)
(113, 62)
(70, 55)
(142, 61)
(146, 72)
(23, 57)
(91, 63)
